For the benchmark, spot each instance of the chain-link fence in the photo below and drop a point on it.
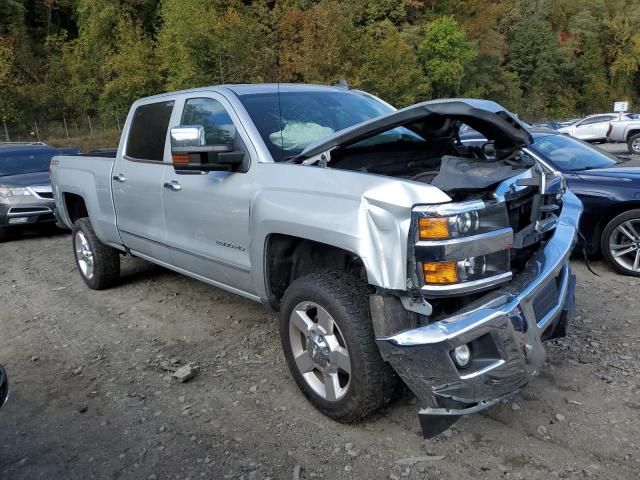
(90, 131)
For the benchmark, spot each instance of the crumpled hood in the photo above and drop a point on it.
(26, 179)
(438, 117)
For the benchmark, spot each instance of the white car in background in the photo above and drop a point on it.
(594, 127)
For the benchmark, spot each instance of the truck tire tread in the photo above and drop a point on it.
(347, 299)
(633, 138)
(106, 259)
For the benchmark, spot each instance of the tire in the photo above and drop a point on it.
(634, 144)
(619, 249)
(4, 234)
(370, 382)
(98, 264)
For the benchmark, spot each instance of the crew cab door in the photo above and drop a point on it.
(207, 213)
(137, 180)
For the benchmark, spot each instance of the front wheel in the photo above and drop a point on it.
(634, 144)
(621, 243)
(98, 264)
(329, 344)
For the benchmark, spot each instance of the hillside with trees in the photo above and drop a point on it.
(542, 59)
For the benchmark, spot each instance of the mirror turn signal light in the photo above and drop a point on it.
(180, 158)
(433, 228)
(442, 273)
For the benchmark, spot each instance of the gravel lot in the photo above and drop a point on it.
(92, 397)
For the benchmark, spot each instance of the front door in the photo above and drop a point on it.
(137, 181)
(207, 213)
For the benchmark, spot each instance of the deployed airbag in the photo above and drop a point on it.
(298, 135)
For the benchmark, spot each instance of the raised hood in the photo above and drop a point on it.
(435, 117)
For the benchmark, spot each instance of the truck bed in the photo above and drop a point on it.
(88, 176)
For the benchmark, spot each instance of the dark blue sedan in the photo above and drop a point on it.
(609, 188)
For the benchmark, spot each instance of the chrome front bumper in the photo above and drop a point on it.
(504, 328)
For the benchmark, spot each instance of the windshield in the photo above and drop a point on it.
(571, 154)
(308, 116)
(19, 163)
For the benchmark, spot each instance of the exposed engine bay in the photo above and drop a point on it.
(445, 163)
(423, 144)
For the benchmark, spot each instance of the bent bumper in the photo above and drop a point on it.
(504, 330)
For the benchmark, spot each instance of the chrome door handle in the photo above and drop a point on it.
(120, 178)
(173, 185)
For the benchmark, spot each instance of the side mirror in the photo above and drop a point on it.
(4, 386)
(189, 151)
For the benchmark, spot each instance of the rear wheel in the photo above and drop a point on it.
(329, 344)
(621, 243)
(98, 264)
(634, 144)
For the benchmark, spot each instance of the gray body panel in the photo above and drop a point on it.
(622, 130)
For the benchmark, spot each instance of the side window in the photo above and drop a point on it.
(598, 119)
(218, 126)
(148, 131)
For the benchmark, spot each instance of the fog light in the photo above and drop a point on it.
(462, 356)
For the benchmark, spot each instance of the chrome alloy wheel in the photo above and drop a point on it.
(320, 351)
(84, 255)
(624, 244)
(635, 145)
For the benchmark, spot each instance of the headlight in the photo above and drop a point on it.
(6, 192)
(462, 220)
(462, 247)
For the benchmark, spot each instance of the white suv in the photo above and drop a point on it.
(594, 127)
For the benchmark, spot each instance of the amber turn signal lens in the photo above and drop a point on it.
(440, 272)
(433, 228)
(180, 158)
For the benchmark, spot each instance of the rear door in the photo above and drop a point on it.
(137, 180)
(593, 128)
(207, 213)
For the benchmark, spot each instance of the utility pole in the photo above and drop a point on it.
(118, 121)
(37, 131)
(90, 127)
(64, 120)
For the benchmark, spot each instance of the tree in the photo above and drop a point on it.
(318, 45)
(390, 68)
(445, 52)
(126, 70)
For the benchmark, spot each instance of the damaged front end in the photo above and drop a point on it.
(488, 276)
(483, 347)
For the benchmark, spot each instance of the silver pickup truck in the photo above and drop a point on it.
(626, 131)
(392, 251)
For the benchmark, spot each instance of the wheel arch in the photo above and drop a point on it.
(75, 206)
(288, 257)
(632, 132)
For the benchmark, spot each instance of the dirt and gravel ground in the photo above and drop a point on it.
(92, 399)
